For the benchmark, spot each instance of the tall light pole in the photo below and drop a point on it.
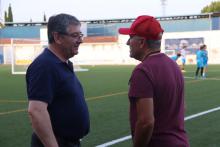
(163, 5)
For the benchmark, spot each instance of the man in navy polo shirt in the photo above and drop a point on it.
(156, 91)
(57, 107)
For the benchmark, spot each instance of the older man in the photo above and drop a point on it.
(156, 91)
(57, 107)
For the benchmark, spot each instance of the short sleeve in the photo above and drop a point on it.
(40, 83)
(140, 85)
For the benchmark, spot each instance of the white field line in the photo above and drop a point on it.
(185, 119)
(208, 71)
(215, 79)
(188, 77)
(201, 113)
(115, 141)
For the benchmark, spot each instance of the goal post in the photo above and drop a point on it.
(24, 51)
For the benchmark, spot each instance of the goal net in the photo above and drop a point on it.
(24, 51)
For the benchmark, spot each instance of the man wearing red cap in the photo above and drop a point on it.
(156, 90)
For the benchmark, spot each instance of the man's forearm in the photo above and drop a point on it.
(42, 127)
(143, 133)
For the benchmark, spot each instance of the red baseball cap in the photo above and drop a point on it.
(144, 26)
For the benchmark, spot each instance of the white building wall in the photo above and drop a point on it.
(103, 53)
(118, 52)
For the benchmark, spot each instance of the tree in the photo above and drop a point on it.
(10, 15)
(213, 7)
(45, 18)
(6, 16)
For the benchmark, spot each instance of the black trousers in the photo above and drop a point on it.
(197, 71)
(35, 142)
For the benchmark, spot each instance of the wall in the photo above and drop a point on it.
(117, 52)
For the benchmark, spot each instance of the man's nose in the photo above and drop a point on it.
(128, 42)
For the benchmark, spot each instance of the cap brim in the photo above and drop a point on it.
(124, 31)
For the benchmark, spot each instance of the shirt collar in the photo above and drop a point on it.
(53, 56)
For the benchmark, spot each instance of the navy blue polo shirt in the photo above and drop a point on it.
(52, 81)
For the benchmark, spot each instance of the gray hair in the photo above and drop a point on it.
(154, 44)
(59, 23)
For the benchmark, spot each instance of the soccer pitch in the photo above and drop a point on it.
(106, 94)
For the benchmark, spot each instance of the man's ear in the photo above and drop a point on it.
(57, 37)
(142, 43)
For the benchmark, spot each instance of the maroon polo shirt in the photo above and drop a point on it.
(160, 78)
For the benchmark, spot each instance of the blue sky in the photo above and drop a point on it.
(24, 10)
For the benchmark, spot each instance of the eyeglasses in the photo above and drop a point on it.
(73, 35)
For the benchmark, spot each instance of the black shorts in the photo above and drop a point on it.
(35, 142)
